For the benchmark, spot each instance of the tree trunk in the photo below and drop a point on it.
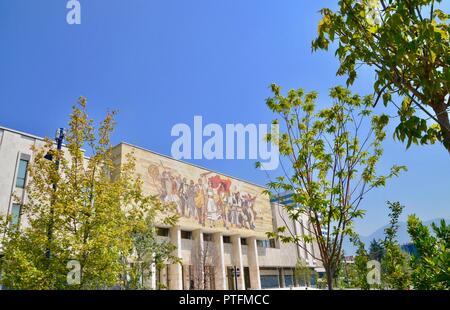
(440, 109)
(329, 274)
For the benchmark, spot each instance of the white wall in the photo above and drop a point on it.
(12, 145)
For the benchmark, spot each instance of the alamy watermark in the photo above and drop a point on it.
(374, 274)
(73, 16)
(235, 141)
(74, 275)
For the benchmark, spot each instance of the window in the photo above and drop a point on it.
(267, 243)
(22, 173)
(16, 211)
(269, 281)
(162, 232)
(272, 243)
(186, 234)
(288, 280)
(207, 237)
(226, 239)
(243, 241)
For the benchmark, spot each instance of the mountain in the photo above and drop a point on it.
(402, 236)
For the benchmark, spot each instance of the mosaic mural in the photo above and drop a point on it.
(207, 199)
(203, 198)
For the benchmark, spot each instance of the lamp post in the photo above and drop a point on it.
(59, 138)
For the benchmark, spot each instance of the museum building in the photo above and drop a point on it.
(223, 220)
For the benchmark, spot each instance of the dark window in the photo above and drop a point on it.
(16, 211)
(186, 234)
(269, 281)
(244, 241)
(22, 173)
(226, 239)
(261, 243)
(272, 243)
(207, 237)
(247, 278)
(163, 232)
(288, 280)
(267, 243)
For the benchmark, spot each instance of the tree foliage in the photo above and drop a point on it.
(376, 250)
(332, 156)
(407, 42)
(395, 267)
(431, 267)
(87, 209)
(361, 259)
(148, 254)
(302, 272)
(203, 258)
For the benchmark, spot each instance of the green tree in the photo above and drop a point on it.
(407, 42)
(302, 272)
(376, 250)
(332, 156)
(84, 209)
(346, 275)
(431, 267)
(148, 253)
(361, 260)
(396, 271)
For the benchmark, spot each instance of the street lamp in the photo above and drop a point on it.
(59, 138)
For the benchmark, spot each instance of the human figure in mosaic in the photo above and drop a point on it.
(235, 208)
(211, 203)
(165, 186)
(175, 198)
(248, 211)
(220, 198)
(200, 200)
(248, 216)
(225, 208)
(205, 188)
(229, 210)
(182, 195)
(191, 199)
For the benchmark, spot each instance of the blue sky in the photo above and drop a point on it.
(160, 62)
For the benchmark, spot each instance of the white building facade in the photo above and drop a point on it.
(221, 217)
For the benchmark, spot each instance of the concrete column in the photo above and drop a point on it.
(175, 272)
(153, 273)
(253, 263)
(282, 280)
(237, 260)
(185, 276)
(220, 270)
(297, 231)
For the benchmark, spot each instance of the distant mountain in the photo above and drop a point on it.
(402, 236)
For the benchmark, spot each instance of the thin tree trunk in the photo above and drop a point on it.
(440, 109)
(329, 274)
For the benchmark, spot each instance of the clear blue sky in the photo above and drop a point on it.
(162, 62)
